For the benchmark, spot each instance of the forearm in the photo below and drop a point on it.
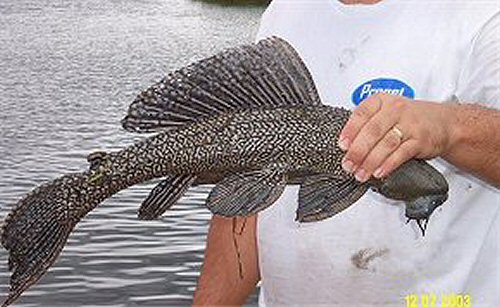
(474, 144)
(226, 278)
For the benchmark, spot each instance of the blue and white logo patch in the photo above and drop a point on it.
(382, 85)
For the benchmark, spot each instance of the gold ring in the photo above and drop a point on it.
(398, 132)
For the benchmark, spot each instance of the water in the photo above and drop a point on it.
(69, 69)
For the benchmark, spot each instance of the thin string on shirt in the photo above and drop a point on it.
(235, 242)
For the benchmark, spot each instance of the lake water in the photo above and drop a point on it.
(69, 69)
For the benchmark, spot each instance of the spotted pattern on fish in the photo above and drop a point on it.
(248, 119)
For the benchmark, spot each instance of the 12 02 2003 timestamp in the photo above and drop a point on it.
(435, 300)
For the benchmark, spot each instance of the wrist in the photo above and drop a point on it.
(454, 129)
(464, 133)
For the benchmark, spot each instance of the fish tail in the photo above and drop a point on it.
(36, 230)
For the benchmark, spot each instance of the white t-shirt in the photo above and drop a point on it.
(366, 255)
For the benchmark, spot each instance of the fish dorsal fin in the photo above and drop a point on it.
(165, 195)
(324, 195)
(263, 75)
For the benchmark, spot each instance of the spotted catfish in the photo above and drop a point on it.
(248, 119)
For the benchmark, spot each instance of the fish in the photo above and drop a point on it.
(247, 119)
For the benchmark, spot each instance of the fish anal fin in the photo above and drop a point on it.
(164, 195)
(247, 193)
(324, 195)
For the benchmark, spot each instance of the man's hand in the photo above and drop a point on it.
(386, 131)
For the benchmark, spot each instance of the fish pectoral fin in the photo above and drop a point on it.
(164, 196)
(247, 193)
(323, 196)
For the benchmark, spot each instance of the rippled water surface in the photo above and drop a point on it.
(68, 70)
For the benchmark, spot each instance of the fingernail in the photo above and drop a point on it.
(348, 166)
(344, 143)
(378, 173)
(360, 175)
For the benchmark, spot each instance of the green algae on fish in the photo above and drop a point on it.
(249, 120)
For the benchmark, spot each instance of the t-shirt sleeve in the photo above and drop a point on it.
(479, 81)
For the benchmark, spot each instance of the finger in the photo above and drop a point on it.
(403, 153)
(359, 117)
(372, 133)
(383, 149)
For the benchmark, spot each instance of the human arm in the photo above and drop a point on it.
(220, 282)
(465, 135)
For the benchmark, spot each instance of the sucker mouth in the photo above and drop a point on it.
(420, 209)
(422, 224)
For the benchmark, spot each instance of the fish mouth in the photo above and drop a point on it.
(421, 208)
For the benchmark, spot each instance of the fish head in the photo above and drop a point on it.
(422, 207)
(420, 185)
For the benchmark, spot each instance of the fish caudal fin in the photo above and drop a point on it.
(164, 196)
(246, 194)
(263, 75)
(323, 196)
(36, 230)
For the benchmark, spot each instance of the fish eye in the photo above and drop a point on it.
(435, 202)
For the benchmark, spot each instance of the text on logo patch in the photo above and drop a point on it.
(382, 85)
